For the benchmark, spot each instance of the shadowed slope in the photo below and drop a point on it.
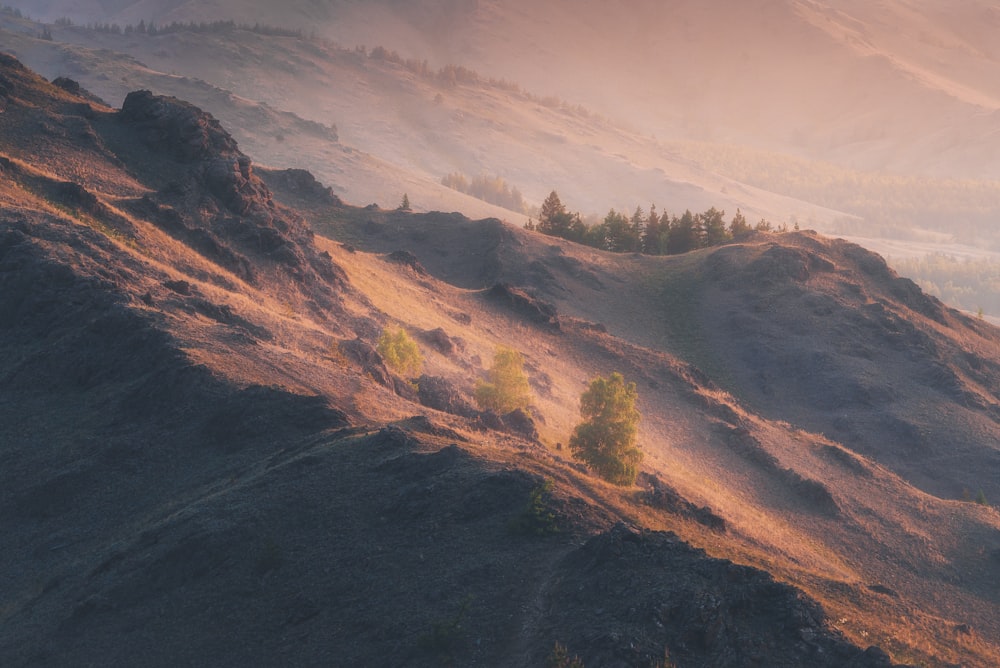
(207, 460)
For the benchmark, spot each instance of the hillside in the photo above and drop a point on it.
(904, 86)
(209, 463)
(398, 127)
(376, 124)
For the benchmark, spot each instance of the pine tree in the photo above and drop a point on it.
(684, 234)
(739, 227)
(554, 219)
(714, 227)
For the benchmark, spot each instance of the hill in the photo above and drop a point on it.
(901, 163)
(208, 462)
(904, 86)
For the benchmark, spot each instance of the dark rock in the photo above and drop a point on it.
(302, 183)
(407, 259)
(520, 423)
(460, 317)
(368, 359)
(76, 196)
(662, 496)
(67, 84)
(438, 393)
(180, 287)
(176, 128)
(439, 340)
(373, 365)
(522, 303)
(74, 88)
(882, 589)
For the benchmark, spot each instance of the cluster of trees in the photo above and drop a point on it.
(448, 75)
(212, 27)
(492, 189)
(971, 284)
(606, 438)
(650, 233)
(886, 204)
(455, 75)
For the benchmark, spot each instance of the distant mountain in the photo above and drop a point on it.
(207, 461)
(909, 87)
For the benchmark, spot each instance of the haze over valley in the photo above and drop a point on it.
(869, 122)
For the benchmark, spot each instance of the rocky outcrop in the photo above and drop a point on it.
(300, 183)
(629, 598)
(438, 393)
(185, 134)
(527, 306)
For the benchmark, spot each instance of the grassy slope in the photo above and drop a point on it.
(710, 446)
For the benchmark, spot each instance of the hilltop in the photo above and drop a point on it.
(208, 462)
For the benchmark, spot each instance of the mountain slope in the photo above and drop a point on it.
(412, 125)
(907, 86)
(208, 462)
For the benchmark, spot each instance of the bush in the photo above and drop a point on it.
(560, 658)
(536, 519)
(508, 388)
(605, 441)
(400, 352)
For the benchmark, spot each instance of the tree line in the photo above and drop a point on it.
(208, 27)
(492, 189)
(650, 233)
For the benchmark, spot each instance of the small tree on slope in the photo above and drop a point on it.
(400, 352)
(605, 440)
(508, 387)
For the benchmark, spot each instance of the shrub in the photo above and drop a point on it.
(508, 388)
(536, 519)
(560, 658)
(605, 441)
(400, 352)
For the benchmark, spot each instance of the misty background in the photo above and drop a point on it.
(879, 122)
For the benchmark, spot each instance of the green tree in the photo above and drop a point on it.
(405, 204)
(617, 232)
(714, 227)
(606, 440)
(657, 233)
(400, 352)
(739, 227)
(555, 220)
(638, 226)
(507, 388)
(685, 234)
